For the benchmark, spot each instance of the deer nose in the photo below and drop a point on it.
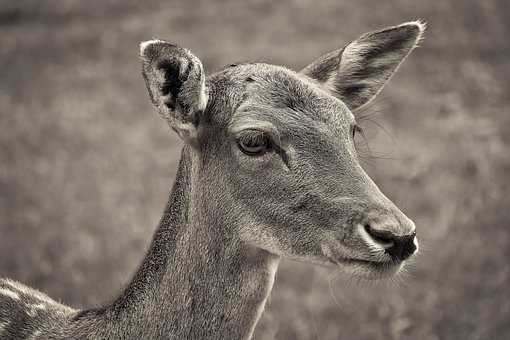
(399, 247)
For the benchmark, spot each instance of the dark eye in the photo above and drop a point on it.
(254, 143)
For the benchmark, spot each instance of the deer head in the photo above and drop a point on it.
(273, 151)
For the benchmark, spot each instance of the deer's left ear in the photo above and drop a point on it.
(176, 83)
(356, 73)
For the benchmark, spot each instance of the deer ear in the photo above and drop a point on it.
(358, 72)
(176, 83)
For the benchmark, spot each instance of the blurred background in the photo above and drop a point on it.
(86, 164)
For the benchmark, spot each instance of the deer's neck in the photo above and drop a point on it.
(197, 281)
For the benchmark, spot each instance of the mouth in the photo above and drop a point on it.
(370, 270)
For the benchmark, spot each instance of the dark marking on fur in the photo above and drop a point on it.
(172, 84)
(353, 90)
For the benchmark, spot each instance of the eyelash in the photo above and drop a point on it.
(257, 141)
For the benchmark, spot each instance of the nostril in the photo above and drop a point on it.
(380, 236)
(403, 247)
(400, 248)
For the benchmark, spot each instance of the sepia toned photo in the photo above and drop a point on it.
(291, 170)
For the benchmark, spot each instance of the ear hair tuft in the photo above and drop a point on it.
(145, 44)
(421, 25)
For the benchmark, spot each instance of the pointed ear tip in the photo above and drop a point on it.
(419, 24)
(145, 44)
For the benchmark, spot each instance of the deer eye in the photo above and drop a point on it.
(254, 143)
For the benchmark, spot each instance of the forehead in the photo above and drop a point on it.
(279, 96)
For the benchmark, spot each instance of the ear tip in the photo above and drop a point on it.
(419, 24)
(154, 46)
(417, 29)
(145, 44)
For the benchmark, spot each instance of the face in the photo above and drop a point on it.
(295, 186)
(276, 153)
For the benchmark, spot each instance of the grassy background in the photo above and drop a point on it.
(86, 164)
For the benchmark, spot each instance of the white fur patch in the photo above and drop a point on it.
(202, 102)
(9, 293)
(34, 308)
(39, 306)
(35, 335)
(30, 292)
(415, 241)
(377, 246)
(145, 44)
(3, 326)
(15, 285)
(422, 25)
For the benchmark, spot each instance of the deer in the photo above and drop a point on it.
(268, 171)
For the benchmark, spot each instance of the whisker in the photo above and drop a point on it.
(331, 291)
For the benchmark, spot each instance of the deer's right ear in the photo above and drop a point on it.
(176, 83)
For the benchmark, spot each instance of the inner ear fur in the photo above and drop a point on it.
(358, 72)
(176, 84)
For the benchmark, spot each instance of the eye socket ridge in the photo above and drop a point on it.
(254, 142)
